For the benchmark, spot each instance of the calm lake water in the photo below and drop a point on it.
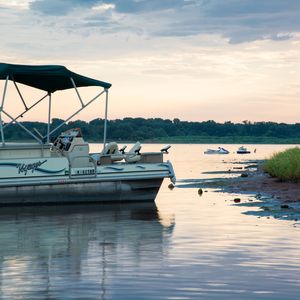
(183, 246)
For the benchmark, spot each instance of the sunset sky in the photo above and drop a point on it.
(189, 59)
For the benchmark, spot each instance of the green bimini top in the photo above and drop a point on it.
(49, 78)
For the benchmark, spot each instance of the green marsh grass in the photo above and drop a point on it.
(284, 165)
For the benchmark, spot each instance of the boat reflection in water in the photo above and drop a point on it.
(83, 252)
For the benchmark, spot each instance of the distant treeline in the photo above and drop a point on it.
(133, 129)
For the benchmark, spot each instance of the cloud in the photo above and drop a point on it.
(136, 6)
(236, 20)
(17, 4)
(59, 7)
(103, 7)
(251, 20)
(237, 8)
(175, 46)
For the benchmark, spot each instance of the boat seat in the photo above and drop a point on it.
(133, 155)
(112, 149)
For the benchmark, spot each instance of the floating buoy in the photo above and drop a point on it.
(171, 186)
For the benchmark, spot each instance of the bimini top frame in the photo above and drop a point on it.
(49, 78)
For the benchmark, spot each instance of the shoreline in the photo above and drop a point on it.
(259, 182)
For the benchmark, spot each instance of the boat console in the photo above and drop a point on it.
(65, 140)
(71, 145)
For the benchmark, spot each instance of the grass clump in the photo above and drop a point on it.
(284, 165)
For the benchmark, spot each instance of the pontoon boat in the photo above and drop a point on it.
(65, 171)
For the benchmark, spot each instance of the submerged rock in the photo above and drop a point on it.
(284, 206)
(251, 167)
(171, 186)
(244, 175)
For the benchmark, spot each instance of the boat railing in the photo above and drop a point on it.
(145, 157)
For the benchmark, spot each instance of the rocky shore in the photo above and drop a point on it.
(248, 186)
(254, 180)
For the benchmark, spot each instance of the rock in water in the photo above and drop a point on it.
(200, 192)
(171, 186)
(284, 206)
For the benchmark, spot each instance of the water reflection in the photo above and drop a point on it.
(219, 249)
(75, 251)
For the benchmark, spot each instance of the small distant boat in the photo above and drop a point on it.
(220, 150)
(243, 150)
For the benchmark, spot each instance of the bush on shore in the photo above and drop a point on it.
(284, 165)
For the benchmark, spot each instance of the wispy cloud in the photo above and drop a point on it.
(86, 26)
(58, 7)
(17, 4)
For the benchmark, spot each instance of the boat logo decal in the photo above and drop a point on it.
(25, 168)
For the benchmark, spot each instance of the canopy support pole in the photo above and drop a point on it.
(49, 120)
(4, 91)
(75, 87)
(1, 109)
(28, 131)
(1, 128)
(25, 111)
(74, 114)
(105, 119)
(17, 88)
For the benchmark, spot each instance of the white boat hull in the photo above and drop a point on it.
(120, 183)
(220, 150)
(81, 192)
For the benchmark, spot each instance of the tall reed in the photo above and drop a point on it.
(284, 165)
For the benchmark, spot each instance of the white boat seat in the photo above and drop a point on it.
(134, 155)
(112, 149)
